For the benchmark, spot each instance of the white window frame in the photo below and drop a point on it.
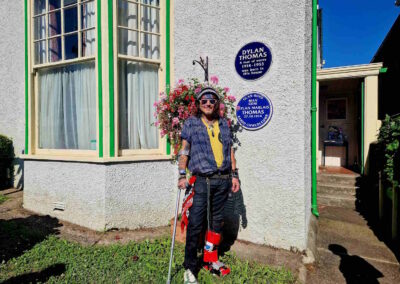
(34, 68)
(140, 153)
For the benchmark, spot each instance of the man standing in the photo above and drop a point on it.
(207, 152)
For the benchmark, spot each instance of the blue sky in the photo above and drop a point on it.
(354, 29)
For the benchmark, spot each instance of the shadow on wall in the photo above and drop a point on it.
(355, 269)
(234, 212)
(21, 234)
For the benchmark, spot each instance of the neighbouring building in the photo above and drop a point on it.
(78, 83)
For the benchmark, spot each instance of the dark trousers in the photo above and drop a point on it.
(219, 189)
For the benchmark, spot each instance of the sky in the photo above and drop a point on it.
(353, 30)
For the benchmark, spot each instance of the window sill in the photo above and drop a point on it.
(96, 160)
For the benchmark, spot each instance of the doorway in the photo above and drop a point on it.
(340, 123)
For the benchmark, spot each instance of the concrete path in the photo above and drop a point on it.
(349, 251)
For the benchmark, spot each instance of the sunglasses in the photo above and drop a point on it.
(212, 101)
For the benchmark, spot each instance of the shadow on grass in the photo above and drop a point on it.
(355, 269)
(38, 277)
(20, 234)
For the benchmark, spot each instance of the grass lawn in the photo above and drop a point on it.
(55, 260)
(2, 198)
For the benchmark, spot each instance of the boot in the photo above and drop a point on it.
(210, 256)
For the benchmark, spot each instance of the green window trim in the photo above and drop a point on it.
(111, 76)
(100, 80)
(167, 61)
(26, 80)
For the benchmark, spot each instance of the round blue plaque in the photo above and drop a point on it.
(253, 60)
(254, 111)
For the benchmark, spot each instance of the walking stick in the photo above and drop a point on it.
(173, 236)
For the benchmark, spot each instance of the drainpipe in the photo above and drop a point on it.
(314, 206)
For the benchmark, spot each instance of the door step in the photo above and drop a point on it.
(337, 200)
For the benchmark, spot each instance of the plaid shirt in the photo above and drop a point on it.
(202, 159)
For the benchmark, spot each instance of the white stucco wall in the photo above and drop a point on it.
(140, 194)
(80, 186)
(12, 78)
(103, 196)
(274, 162)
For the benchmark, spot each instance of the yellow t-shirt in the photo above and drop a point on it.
(216, 142)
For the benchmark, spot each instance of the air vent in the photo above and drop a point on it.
(59, 206)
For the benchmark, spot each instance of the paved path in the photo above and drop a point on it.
(350, 252)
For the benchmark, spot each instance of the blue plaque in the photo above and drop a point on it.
(253, 60)
(254, 111)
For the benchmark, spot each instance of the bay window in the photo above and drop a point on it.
(64, 40)
(138, 72)
(71, 110)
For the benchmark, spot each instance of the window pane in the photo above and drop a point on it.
(138, 90)
(70, 19)
(69, 2)
(55, 53)
(71, 46)
(54, 23)
(150, 19)
(150, 46)
(40, 7)
(127, 42)
(39, 27)
(127, 14)
(151, 2)
(88, 19)
(54, 4)
(40, 52)
(88, 43)
(67, 107)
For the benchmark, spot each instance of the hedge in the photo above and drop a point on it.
(6, 161)
(389, 140)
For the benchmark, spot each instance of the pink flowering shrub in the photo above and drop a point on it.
(173, 109)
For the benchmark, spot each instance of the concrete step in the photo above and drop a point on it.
(337, 200)
(333, 188)
(338, 179)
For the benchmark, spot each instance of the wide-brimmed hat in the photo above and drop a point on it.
(207, 91)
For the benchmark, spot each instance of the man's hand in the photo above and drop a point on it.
(235, 185)
(182, 183)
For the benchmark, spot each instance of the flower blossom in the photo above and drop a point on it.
(175, 121)
(226, 89)
(231, 98)
(214, 80)
(197, 90)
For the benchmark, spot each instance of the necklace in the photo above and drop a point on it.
(210, 127)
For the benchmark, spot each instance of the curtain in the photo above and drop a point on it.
(67, 107)
(138, 90)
